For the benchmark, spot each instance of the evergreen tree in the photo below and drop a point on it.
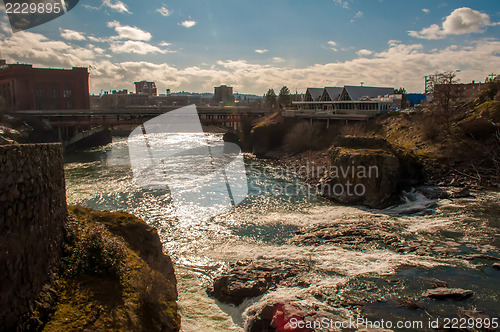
(270, 99)
(284, 98)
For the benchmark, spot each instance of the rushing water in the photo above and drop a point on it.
(261, 227)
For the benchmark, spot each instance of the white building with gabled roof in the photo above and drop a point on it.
(352, 100)
(331, 93)
(313, 94)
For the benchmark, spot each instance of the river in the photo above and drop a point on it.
(461, 240)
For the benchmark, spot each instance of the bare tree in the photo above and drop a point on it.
(445, 99)
(443, 89)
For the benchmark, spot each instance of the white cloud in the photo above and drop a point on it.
(98, 39)
(128, 32)
(164, 43)
(277, 59)
(97, 50)
(188, 24)
(261, 51)
(393, 42)
(343, 3)
(35, 48)
(135, 46)
(358, 15)
(426, 10)
(164, 11)
(398, 65)
(461, 21)
(333, 45)
(91, 7)
(364, 52)
(71, 34)
(116, 6)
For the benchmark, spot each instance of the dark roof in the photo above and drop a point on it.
(357, 92)
(333, 92)
(315, 93)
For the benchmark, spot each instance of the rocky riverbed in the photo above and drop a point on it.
(276, 256)
(434, 279)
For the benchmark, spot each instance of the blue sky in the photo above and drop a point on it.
(193, 45)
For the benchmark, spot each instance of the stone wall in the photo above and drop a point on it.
(32, 213)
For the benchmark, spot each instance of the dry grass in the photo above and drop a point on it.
(303, 136)
(354, 129)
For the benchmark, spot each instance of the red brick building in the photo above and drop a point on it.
(26, 88)
(458, 90)
(145, 87)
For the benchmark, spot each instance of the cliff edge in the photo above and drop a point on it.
(79, 269)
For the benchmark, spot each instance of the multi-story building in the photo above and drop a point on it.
(144, 87)
(26, 88)
(458, 90)
(223, 94)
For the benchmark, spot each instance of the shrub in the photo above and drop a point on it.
(91, 249)
(430, 126)
(303, 136)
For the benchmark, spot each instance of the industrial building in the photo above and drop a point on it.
(223, 94)
(26, 88)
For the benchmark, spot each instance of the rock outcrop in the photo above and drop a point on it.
(367, 171)
(114, 276)
(349, 234)
(447, 293)
(267, 134)
(249, 279)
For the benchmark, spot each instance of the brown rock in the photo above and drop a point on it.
(447, 293)
(246, 280)
(462, 193)
(366, 171)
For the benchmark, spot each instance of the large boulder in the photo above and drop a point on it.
(249, 279)
(368, 171)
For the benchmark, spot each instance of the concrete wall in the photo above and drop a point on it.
(32, 213)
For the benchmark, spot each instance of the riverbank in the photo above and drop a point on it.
(461, 152)
(113, 276)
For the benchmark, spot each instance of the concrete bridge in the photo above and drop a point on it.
(93, 127)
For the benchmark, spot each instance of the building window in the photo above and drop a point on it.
(67, 93)
(40, 93)
(69, 104)
(54, 93)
